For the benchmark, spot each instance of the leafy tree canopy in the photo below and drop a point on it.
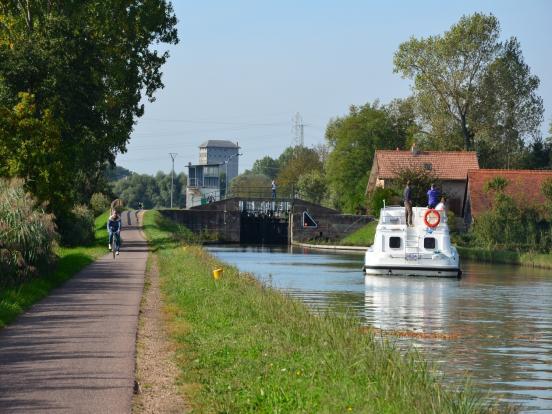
(266, 166)
(152, 191)
(420, 182)
(72, 76)
(311, 186)
(473, 91)
(294, 162)
(251, 185)
(353, 140)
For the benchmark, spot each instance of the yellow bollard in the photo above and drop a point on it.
(217, 273)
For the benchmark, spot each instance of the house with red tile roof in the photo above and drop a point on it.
(450, 167)
(524, 186)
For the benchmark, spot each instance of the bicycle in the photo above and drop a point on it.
(115, 243)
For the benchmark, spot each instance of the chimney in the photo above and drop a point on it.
(413, 149)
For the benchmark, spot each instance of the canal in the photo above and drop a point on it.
(494, 324)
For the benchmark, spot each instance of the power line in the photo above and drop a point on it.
(299, 129)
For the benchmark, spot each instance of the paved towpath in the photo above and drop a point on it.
(74, 351)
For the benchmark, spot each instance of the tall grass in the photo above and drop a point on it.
(27, 235)
(245, 348)
(16, 299)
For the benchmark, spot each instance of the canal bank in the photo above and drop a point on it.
(244, 347)
(539, 260)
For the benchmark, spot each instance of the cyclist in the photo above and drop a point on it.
(114, 230)
(137, 212)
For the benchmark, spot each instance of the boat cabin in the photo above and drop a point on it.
(421, 240)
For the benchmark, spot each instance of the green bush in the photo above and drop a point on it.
(375, 200)
(27, 234)
(77, 226)
(99, 203)
(507, 226)
(420, 182)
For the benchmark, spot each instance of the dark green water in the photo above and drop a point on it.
(496, 322)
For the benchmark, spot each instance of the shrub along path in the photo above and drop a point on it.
(74, 351)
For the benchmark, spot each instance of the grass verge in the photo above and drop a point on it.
(506, 257)
(246, 348)
(362, 237)
(15, 300)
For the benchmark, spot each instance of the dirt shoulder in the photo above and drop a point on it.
(156, 371)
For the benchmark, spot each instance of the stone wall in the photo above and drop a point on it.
(331, 227)
(224, 219)
(226, 224)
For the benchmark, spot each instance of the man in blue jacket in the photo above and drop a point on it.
(432, 197)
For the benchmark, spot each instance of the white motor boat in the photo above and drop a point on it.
(423, 249)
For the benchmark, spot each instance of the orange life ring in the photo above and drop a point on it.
(434, 223)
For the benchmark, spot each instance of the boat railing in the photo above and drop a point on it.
(395, 215)
(392, 220)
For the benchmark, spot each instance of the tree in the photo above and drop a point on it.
(153, 192)
(538, 155)
(353, 140)
(80, 69)
(300, 160)
(311, 186)
(251, 185)
(266, 166)
(469, 85)
(420, 182)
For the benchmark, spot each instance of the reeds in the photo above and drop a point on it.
(27, 234)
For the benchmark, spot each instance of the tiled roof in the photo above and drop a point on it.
(218, 143)
(523, 185)
(447, 165)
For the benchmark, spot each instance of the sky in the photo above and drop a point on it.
(244, 68)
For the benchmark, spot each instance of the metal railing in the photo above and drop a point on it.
(264, 193)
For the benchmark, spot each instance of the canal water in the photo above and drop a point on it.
(494, 324)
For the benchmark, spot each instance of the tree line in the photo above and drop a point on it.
(151, 191)
(471, 91)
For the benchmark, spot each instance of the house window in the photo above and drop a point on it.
(395, 242)
(211, 171)
(429, 243)
(211, 182)
(428, 166)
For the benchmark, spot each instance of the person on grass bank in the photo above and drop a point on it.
(114, 230)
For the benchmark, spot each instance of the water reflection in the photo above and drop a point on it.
(497, 319)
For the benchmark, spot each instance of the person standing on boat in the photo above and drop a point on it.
(407, 195)
(432, 197)
(441, 205)
(273, 186)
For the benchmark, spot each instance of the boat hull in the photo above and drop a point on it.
(429, 271)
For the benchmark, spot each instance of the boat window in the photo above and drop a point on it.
(429, 243)
(395, 242)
